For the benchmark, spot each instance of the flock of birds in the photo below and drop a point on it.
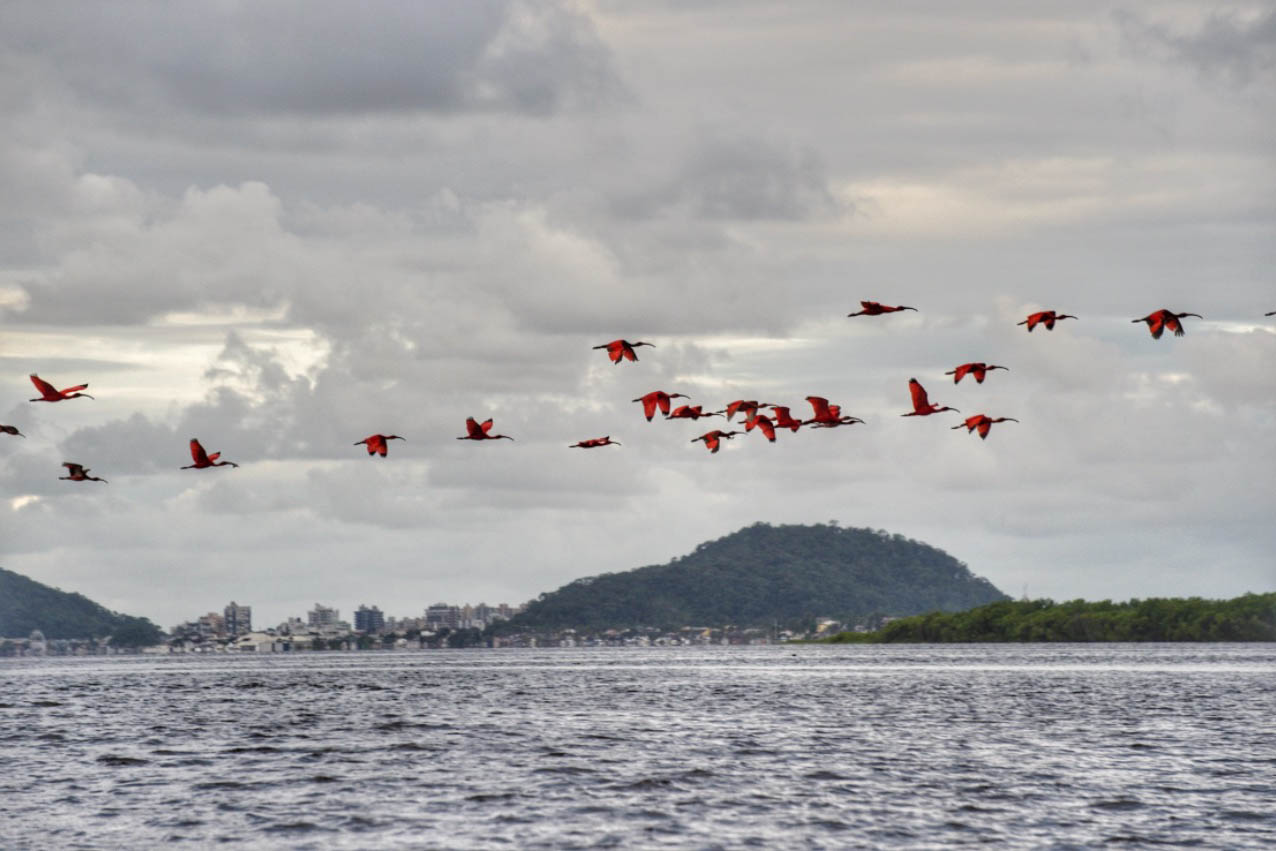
(824, 413)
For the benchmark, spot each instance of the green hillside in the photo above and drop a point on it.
(764, 574)
(1248, 618)
(26, 605)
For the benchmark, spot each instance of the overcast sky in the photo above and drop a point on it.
(280, 227)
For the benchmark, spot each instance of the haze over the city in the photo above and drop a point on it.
(282, 227)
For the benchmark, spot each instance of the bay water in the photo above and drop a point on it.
(917, 746)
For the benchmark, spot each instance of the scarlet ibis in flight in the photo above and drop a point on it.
(1044, 317)
(983, 423)
(747, 407)
(203, 459)
(826, 415)
(8, 429)
(873, 308)
(78, 473)
(713, 439)
(978, 370)
(922, 406)
(481, 431)
(763, 422)
(376, 443)
(1162, 319)
(691, 412)
(783, 419)
(658, 399)
(49, 393)
(594, 442)
(618, 349)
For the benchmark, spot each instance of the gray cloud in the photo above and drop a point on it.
(1226, 45)
(742, 178)
(529, 56)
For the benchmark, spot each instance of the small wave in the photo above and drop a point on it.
(1117, 804)
(295, 827)
(115, 759)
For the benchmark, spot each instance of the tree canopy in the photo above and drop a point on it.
(764, 574)
(1251, 617)
(26, 605)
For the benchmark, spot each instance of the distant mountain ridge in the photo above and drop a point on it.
(26, 605)
(764, 574)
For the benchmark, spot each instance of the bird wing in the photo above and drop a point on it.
(73, 468)
(1172, 322)
(75, 389)
(376, 443)
(1156, 325)
(819, 405)
(45, 388)
(960, 372)
(920, 399)
(198, 455)
(768, 428)
(487, 425)
(649, 403)
(984, 427)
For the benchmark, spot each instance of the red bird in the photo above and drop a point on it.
(658, 399)
(713, 439)
(983, 422)
(595, 442)
(979, 370)
(783, 419)
(78, 473)
(376, 443)
(921, 404)
(618, 349)
(873, 308)
(49, 393)
(691, 412)
(203, 459)
(748, 407)
(826, 415)
(7, 429)
(1162, 319)
(1044, 317)
(761, 421)
(477, 431)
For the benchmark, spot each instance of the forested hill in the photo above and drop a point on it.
(764, 574)
(26, 605)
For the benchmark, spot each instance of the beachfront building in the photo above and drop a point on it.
(369, 620)
(239, 619)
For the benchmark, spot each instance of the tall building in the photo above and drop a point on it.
(239, 619)
(368, 620)
(322, 617)
(441, 614)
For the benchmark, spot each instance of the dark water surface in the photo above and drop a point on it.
(820, 747)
